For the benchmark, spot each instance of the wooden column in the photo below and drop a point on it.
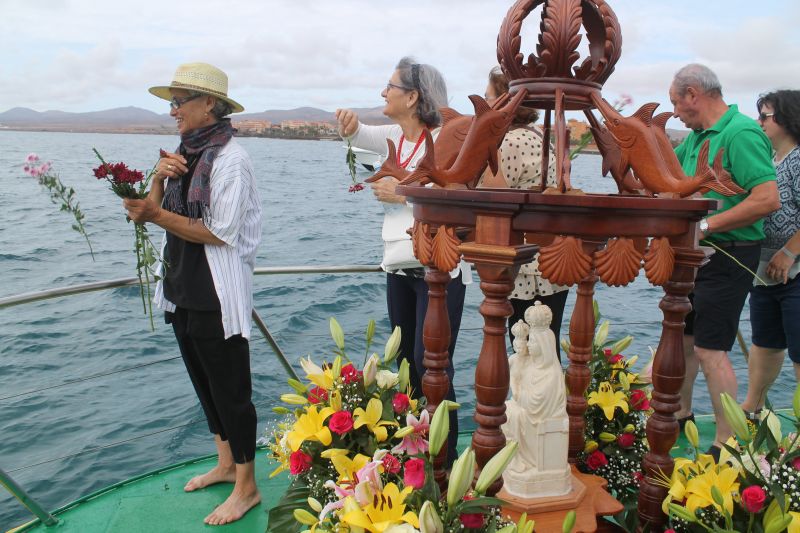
(669, 368)
(436, 339)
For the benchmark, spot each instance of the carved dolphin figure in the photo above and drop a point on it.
(484, 137)
(645, 149)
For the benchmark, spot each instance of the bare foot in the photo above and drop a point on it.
(235, 507)
(218, 474)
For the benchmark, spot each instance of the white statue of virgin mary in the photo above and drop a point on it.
(536, 413)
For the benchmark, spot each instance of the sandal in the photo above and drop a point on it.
(753, 416)
(682, 421)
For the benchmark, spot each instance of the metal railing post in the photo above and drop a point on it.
(275, 348)
(26, 500)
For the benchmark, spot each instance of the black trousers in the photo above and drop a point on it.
(407, 299)
(556, 302)
(220, 372)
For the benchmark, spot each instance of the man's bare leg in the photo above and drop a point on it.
(692, 368)
(224, 472)
(244, 497)
(763, 367)
(718, 370)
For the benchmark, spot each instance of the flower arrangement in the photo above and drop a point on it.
(359, 451)
(619, 404)
(131, 183)
(350, 158)
(58, 193)
(755, 486)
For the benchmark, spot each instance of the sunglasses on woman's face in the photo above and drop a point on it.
(763, 116)
(176, 102)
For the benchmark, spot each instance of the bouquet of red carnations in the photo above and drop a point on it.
(132, 183)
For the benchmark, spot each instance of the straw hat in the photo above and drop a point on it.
(200, 77)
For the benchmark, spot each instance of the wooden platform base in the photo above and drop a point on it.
(588, 498)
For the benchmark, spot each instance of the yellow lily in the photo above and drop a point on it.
(794, 525)
(310, 426)
(372, 419)
(316, 375)
(608, 399)
(698, 489)
(347, 467)
(386, 509)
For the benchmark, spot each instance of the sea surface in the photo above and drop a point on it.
(89, 396)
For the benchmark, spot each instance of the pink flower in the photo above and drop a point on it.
(414, 473)
(341, 422)
(471, 520)
(400, 403)
(796, 463)
(355, 188)
(753, 498)
(299, 462)
(596, 459)
(639, 400)
(349, 373)
(391, 463)
(32, 158)
(626, 440)
(415, 443)
(317, 394)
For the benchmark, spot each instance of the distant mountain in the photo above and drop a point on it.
(135, 119)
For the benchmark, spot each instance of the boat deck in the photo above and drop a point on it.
(156, 501)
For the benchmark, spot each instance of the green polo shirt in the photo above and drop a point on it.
(747, 156)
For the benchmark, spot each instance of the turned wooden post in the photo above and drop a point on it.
(436, 339)
(669, 368)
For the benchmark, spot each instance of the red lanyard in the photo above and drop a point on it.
(404, 164)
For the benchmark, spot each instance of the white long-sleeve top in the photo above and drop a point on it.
(234, 217)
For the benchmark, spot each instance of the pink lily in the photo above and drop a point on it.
(415, 443)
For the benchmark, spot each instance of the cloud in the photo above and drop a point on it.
(81, 55)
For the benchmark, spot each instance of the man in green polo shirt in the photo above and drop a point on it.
(721, 285)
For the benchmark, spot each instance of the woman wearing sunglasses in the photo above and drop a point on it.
(775, 297)
(413, 96)
(204, 195)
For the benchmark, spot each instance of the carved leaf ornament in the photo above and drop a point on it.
(659, 261)
(618, 264)
(445, 254)
(564, 262)
(559, 38)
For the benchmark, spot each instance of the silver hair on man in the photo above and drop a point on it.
(699, 76)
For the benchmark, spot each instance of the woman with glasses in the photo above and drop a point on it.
(775, 296)
(521, 168)
(413, 96)
(204, 195)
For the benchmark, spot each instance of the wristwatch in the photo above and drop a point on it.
(704, 226)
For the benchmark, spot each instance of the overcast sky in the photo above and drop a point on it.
(89, 55)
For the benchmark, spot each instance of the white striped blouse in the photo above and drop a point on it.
(233, 216)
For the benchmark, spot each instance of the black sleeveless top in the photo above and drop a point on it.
(187, 279)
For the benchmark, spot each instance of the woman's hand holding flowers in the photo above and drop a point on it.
(170, 166)
(141, 211)
(348, 122)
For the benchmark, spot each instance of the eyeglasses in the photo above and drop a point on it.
(391, 85)
(176, 102)
(763, 116)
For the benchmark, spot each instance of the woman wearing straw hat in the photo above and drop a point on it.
(204, 195)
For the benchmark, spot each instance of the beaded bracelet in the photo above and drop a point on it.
(788, 253)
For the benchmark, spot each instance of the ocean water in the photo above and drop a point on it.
(89, 396)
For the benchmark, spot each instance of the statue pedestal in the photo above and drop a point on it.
(587, 498)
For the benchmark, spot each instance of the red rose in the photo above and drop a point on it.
(341, 422)
(639, 400)
(400, 403)
(471, 520)
(317, 394)
(796, 463)
(349, 373)
(753, 498)
(391, 463)
(638, 477)
(626, 440)
(414, 473)
(299, 462)
(669, 531)
(596, 459)
(615, 359)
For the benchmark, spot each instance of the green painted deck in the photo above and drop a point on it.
(156, 502)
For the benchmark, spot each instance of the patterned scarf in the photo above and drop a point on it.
(206, 142)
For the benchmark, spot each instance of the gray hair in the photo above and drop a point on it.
(221, 108)
(429, 84)
(699, 76)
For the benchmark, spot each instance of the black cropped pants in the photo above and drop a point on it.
(220, 372)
